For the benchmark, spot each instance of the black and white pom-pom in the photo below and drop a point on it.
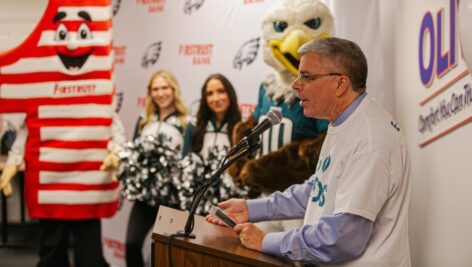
(149, 169)
(196, 171)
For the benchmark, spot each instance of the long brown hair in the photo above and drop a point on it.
(232, 115)
(151, 108)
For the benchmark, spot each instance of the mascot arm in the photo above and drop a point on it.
(238, 133)
(115, 146)
(5, 180)
(15, 160)
(309, 150)
(291, 164)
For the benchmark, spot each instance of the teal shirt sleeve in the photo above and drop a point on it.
(187, 139)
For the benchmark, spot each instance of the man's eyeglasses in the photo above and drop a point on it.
(307, 77)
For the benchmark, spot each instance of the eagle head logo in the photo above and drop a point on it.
(151, 55)
(246, 54)
(116, 4)
(192, 5)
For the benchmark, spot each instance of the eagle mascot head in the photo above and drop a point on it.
(286, 26)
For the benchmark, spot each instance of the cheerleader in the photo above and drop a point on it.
(209, 138)
(165, 117)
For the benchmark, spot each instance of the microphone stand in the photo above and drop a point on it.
(253, 146)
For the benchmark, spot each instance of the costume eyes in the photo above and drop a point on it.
(84, 32)
(61, 33)
(280, 26)
(313, 23)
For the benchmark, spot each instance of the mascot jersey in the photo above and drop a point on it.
(170, 127)
(214, 137)
(61, 78)
(294, 125)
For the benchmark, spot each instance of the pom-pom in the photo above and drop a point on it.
(195, 171)
(149, 169)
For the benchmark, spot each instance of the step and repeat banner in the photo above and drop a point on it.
(192, 39)
(195, 38)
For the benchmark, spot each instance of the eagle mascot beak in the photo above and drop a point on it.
(286, 50)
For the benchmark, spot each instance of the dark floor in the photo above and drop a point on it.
(21, 246)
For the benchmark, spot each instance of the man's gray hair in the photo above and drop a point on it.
(344, 54)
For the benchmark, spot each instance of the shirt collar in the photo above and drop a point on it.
(213, 124)
(349, 110)
(166, 118)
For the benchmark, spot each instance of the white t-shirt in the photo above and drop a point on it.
(363, 169)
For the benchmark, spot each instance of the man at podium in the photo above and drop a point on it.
(355, 205)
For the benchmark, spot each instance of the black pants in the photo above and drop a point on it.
(141, 220)
(54, 243)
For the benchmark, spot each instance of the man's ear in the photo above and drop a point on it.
(342, 86)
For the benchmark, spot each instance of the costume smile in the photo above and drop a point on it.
(73, 62)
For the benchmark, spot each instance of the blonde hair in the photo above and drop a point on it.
(151, 108)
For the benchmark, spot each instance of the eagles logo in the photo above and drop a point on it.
(246, 54)
(191, 5)
(151, 55)
(116, 6)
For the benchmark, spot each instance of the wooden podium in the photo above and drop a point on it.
(213, 246)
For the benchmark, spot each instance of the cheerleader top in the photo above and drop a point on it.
(170, 127)
(214, 137)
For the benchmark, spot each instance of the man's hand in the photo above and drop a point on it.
(7, 174)
(235, 208)
(111, 163)
(250, 236)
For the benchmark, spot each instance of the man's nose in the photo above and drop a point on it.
(296, 84)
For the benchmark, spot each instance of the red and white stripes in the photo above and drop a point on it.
(61, 77)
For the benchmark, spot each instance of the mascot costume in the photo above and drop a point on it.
(289, 151)
(60, 77)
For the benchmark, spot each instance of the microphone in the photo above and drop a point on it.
(252, 136)
(273, 117)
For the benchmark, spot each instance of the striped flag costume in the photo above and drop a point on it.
(61, 77)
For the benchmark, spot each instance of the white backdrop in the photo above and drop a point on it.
(195, 42)
(192, 45)
(206, 39)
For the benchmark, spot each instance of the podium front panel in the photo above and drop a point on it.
(214, 245)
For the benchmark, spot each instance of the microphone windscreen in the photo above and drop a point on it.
(275, 116)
